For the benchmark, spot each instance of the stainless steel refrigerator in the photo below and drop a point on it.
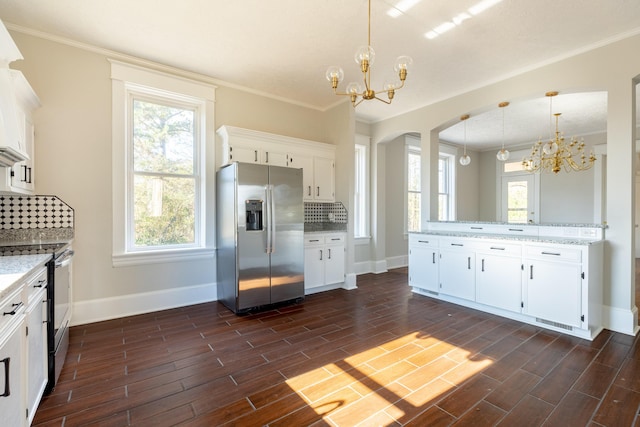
(260, 235)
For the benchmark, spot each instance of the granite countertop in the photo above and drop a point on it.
(324, 227)
(524, 238)
(15, 268)
(540, 224)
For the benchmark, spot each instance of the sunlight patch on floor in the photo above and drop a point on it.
(412, 370)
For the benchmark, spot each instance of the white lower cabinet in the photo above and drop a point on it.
(558, 272)
(499, 276)
(324, 262)
(554, 285)
(12, 363)
(37, 350)
(457, 269)
(424, 262)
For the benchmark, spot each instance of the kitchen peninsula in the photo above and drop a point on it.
(548, 275)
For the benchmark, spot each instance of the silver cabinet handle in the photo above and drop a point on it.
(266, 157)
(255, 156)
(483, 265)
(7, 380)
(469, 263)
(551, 253)
(495, 248)
(318, 191)
(434, 258)
(320, 254)
(309, 191)
(531, 272)
(329, 253)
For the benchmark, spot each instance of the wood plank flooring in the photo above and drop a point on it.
(375, 356)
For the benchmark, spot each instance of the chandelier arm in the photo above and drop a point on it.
(383, 100)
(359, 102)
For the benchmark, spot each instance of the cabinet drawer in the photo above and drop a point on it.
(458, 244)
(423, 240)
(37, 282)
(500, 248)
(334, 239)
(556, 253)
(314, 240)
(11, 308)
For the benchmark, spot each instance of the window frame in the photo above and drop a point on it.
(411, 147)
(502, 176)
(129, 81)
(362, 211)
(449, 154)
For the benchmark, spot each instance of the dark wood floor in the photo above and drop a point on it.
(375, 356)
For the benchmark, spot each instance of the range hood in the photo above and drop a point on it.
(12, 129)
(10, 156)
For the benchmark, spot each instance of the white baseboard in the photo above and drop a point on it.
(379, 266)
(350, 282)
(619, 320)
(111, 308)
(397, 261)
(363, 267)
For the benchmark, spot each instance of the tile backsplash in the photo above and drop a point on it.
(40, 217)
(325, 212)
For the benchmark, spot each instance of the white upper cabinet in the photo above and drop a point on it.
(316, 159)
(20, 176)
(9, 52)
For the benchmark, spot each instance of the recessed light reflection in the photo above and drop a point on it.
(401, 7)
(460, 18)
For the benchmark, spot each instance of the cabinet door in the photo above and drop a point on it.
(499, 281)
(323, 180)
(423, 267)
(275, 158)
(306, 164)
(334, 264)
(313, 267)
(37, 352)
(457, 273)
(244, 154)
(11, 382)
(554, 291)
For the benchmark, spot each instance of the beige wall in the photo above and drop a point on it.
(73, 155)
(612, 68)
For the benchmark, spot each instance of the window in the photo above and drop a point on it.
(164, 194)
(519, 190)
(446, 184)
(361, 196)
(413, 188)
(160, 127)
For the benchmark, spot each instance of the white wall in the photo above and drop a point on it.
(73, 161)
(396, 244)
(612, 68)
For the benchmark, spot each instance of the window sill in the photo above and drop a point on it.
(161, 256)
(361, 240)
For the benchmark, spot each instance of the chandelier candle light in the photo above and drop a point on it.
(465, 159)
(554, 154)
(503, 155)
(365, 56)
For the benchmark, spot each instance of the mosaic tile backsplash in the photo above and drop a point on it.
(44, 218)
(325, 217)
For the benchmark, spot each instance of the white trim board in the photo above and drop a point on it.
(128, 305)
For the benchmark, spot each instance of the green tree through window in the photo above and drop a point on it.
(164, 174)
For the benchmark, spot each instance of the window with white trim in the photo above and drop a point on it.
(413, 188)
(361, 191)
(160, 127)
(446, 183)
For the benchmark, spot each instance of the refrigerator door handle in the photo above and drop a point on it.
(267, 197)
(272, 219)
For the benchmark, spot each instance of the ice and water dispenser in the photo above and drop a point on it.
(253, 210)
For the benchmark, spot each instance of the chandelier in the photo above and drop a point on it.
(365, 56)
(555, 154)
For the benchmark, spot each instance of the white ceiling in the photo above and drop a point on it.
(283, 47)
